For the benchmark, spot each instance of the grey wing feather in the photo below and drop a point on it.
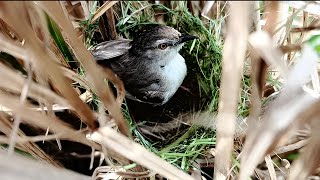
(154, 98)
(151, 95)
(111, 49)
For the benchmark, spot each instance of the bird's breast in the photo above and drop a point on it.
(173, 74)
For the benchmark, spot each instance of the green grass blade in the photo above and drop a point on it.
(58, 39)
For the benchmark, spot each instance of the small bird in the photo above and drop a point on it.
(150, 65)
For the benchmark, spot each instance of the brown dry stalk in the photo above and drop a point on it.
(309, 160)
(303, 29)
(17, 121)
(107, 26)
(289, 48)
(272, 17)
(29, 147)
(302, 34)
(109, 138)
(144, 174)
(269, 53)
(270, 167)
(14, 82)
(290, 18)
(76, 77)
(118, 83)
(233, 57)
(44, 63)
(290, 147)
(280, 115)
(85, 9)
(95, 73)
(17, 167)
(12, 47)
(41, 61)
(208, 5)
(106, 6)
(311, 7)
(43, 121)
(259, 68)
(20, 139)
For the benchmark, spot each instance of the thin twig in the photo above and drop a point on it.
(303, 29)
(19, 139)
(17, 121)
(290, 147)
(107, 5)
(270, 167)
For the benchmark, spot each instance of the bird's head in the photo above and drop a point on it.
(159, 42)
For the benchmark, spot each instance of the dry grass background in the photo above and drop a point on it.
(280, 46)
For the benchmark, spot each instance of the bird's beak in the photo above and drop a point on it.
(186, 37)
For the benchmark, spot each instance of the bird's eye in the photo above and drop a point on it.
(162, 46)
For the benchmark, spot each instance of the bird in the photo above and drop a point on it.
(149, 65)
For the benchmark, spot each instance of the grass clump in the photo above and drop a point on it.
(181, 152)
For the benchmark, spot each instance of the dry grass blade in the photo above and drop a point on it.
(315, 81)
(83, 82)
(289, 48)
(230, 86)
(41, 61)
(290, 147)
(270, 166)
(303, 29)
(270, 54)
(259, 68)
(208, 5)
(309, 161)
(14, 48)
(293, 99)
(33, 118)
(135, 152)
(107, 5)
(94, 73)
(289, 20)
(257, 79)
(24, 93)
(29, 147)
(14, 82)
(118, 172)
(85, 9)
(15, 167)
(76, 77)
(20, 139)
(308, 6)
(272, 18)
(255, 16)
(283, 24)
(107, 26)
(118, 83)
